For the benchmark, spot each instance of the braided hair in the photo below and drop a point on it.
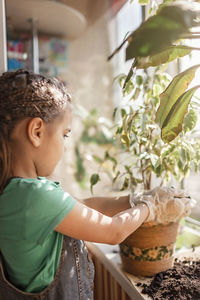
(25, 94)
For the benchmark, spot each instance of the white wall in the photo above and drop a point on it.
(3, 55)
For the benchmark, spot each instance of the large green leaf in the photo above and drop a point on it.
(172, 125)
(153, 36)
(174, 90)
(159, 31)
(164, 56)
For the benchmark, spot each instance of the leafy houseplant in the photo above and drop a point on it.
(147, 154)
(156, 126)
(169, 151)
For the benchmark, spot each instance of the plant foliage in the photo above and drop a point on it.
(155, 129)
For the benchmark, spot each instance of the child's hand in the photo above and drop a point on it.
(166, 192)
(149, 200)
(165, 204)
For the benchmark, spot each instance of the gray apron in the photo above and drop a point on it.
(73, 279)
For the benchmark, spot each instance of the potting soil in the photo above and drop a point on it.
(182, 282)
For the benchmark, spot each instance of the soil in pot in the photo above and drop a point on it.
(182, 282)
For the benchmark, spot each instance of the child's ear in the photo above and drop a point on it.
(35, 131)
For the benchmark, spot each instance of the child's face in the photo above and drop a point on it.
(54, 143)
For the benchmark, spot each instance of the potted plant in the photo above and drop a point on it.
(165, 152)
(156, 126)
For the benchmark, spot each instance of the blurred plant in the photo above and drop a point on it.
(93, 145)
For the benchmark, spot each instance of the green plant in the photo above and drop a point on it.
(146, 153)
(155, 132)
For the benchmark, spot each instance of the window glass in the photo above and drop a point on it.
(128, 18)
(191, 183)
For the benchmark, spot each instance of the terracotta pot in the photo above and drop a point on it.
(149, 250)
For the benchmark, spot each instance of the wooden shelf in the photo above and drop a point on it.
(109, 256)
(53, 17)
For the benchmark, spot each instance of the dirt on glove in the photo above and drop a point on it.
(166, 204)
(182, 282)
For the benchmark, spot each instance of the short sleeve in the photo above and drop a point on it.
(47, 204)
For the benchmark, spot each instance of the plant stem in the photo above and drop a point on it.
(141, 166)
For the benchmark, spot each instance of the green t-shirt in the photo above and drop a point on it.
(30, 209)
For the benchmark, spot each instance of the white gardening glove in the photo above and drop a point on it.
(166, 192)
(135, 199)
(175, 208)
(173, 204)
(167, 204)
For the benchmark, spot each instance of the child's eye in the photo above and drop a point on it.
(67, 133)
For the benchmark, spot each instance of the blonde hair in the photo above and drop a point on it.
(25, 94)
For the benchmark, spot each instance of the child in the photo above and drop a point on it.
(41, 226)
(35, 213)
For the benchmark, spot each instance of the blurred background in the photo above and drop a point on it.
(72, 41)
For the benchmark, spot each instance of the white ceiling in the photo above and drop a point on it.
(52, 17)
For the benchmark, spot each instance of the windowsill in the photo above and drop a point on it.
(110, 258)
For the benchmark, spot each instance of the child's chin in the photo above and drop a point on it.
(44, 174)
